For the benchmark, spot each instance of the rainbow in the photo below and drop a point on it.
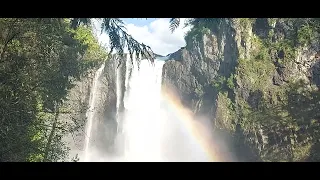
(196, 129)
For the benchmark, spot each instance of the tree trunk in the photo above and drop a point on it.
(47, 149)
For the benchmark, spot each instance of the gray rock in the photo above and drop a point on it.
(217, 54)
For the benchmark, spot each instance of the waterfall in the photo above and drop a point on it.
(128, 70)
(118, 90)
(142, 129)
(91, 110)
(151, 127)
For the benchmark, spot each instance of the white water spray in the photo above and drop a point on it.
(91, 111)
(142, 123)
(150, 131)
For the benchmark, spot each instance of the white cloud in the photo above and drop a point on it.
(157, 35)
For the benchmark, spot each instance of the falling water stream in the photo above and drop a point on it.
(90, 112)
(150, 129)
(142, 124)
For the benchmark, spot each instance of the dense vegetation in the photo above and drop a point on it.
(39, 61)
(287, 112)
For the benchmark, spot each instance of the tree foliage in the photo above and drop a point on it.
(195, 22)
(119, 38)
(39, 60)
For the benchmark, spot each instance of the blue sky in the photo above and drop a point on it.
(155, 33)
(138, 21)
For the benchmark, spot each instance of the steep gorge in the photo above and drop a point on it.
(256, 80)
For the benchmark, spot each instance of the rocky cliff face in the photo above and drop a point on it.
(105, 124)
(251, 77)
(77, 103)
